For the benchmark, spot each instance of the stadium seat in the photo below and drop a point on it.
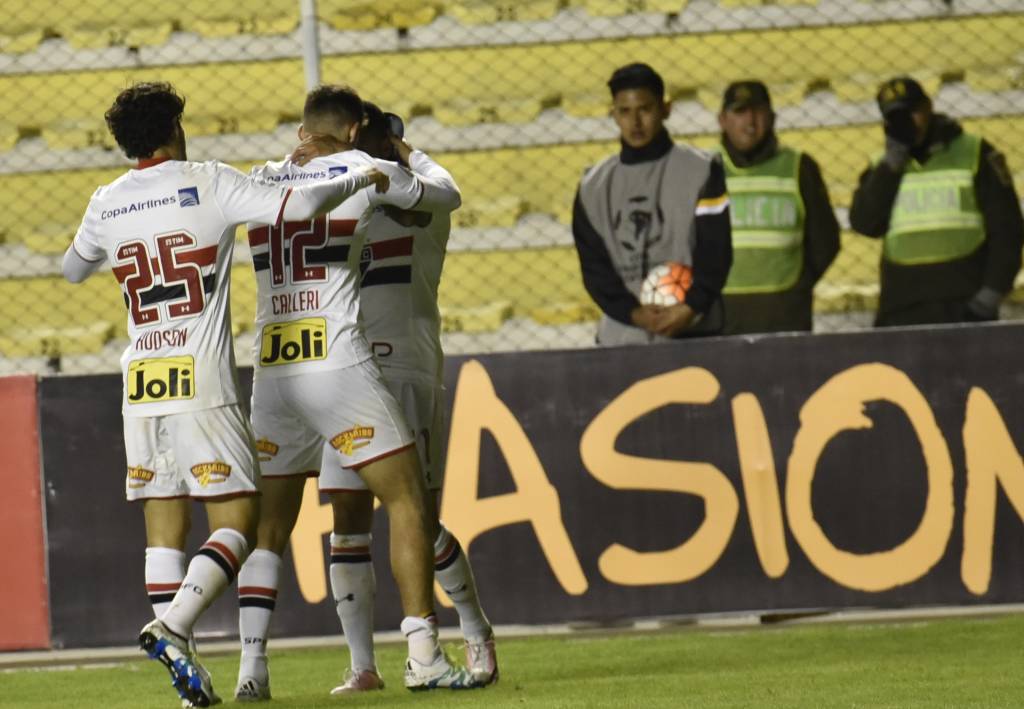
(615, 8)
(8, 135)
(438, 77)
(76, 133)
(19, 40)
(483, 318)
(224, 18)
(53, 342)
(371, 14)
(485, 12)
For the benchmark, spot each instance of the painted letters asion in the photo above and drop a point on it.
(558, 421)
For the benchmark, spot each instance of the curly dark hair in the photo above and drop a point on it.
(334, 103)
(144, 117)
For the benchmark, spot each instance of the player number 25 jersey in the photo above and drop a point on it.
(168, 233)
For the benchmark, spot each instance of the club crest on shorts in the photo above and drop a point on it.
(210, 473)
(138, 477)
(349, 441)
(266, 449)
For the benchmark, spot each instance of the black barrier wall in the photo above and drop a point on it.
(786, 472)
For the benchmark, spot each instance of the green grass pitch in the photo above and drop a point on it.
(937, 663)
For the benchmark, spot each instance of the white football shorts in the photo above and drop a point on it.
(348, 409)
(423, 405)
(206, 455)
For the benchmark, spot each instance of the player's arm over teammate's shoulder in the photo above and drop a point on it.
(412, 191)
(243, 198)
(437, 181)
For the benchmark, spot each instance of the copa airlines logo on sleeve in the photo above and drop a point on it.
(188, 197)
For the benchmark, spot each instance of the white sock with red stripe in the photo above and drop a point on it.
(165, 568)
(354, 586)
(211, 571)
(257, 595)
(452, 571)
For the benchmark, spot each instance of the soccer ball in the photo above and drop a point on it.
(666, 284)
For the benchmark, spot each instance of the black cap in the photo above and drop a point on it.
(743, 94)
(900, 92)
(637, 76)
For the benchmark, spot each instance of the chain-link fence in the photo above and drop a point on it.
(510, 96)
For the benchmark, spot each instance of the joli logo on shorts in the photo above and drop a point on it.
(208, 473)
(356, 437)
(138, 477)
(295, 341)
(156, 380)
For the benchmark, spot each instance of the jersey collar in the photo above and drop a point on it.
(150, 162)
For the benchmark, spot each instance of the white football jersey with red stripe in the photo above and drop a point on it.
(168, 232)
(307, 273)
(401, 265)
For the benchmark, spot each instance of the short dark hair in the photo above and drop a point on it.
(333, 102)
(144, 117)
(637, 76)
(375, 123)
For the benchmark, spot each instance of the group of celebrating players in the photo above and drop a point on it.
(348, 237)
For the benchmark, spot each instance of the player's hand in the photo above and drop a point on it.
(402, 147)
(315, 146)
(378, 179)
(646, 316)
(673, 319)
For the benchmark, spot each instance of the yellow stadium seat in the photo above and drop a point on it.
(50, 237)
(19, 40)
(73, 134)
(54, 342)
(592, 104)
(467, 112)
(485, 12)
(502, 211)
(483, 318)
(995, 78)
(565, 313)
(433, 77)
(100, 36)
(8, 135)
(615, 8)
(224, 18)
(367, 14)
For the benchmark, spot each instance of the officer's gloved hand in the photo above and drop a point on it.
(983, 307)
(900, 133)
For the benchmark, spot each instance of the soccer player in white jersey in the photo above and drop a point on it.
(316, 382)
(167, 228)
(401, 267)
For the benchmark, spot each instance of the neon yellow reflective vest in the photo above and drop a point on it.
(935, 217)
(767, 216)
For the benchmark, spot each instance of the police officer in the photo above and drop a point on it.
(784, 232)
(944, 204)
(652, 202)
